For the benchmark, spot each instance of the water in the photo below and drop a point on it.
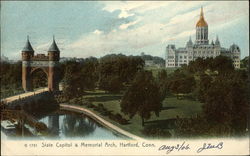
(71, 126)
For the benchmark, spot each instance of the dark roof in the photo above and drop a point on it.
(234, 47)
(28, 47)
(53, 47)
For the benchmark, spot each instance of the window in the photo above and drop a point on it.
(185, 57)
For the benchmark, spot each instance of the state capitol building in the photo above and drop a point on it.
(201, 48)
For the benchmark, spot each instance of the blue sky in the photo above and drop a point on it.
(84, 29)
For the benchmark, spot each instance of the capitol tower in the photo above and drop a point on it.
(176, 57)
(201, 30)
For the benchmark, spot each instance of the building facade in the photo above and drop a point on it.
(176, 57)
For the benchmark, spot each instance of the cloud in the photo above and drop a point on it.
(125, 14)
(126, 25)
(156, 23)
(97, 32)
(42, 47)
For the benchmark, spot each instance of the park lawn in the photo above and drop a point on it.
(172, 107)
(155, 70)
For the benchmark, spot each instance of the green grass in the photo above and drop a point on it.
(155, 70)
(172, 107)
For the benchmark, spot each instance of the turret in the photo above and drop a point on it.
(27, 54)
(189, 43)
(27, 51)
(212, 43)
(217, 42)
(54, 56)
(234, 48)
(54, 52)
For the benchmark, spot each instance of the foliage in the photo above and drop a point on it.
(180, 82)
(156, 132)
(142, 97)
(162, 79)
(79, 76)
(39, 79)
(11, 74)
(226, 101)
(223, 91)
(115, 70)
(199, 127)
(155, 59)
(111, 83)
(222, 64)
(245, 63)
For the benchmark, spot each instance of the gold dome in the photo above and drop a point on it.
(201, 22)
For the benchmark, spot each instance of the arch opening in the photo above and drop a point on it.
(39, 78)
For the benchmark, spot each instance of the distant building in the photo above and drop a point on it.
(201, 48)
(152, 61)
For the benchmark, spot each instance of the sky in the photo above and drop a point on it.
(97, 28)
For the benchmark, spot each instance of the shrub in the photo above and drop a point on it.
(156, 132)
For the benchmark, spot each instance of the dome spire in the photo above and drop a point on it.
(201, 15)
(201, 22)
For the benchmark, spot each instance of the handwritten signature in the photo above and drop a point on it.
(178, 147)
(210, 146)
(185, 146)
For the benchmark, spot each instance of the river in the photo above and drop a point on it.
(65, 125)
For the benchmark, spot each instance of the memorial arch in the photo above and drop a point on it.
(49, 64)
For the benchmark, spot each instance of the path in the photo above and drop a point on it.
(108, 124)
(23, 95)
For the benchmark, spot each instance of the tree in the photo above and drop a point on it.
(162, 78)
(245, 62)
(79, 75)
(226, 101)
(39, 78)
(111, 83)
(118, 69)
(202, 85)
(181, 82)
(142, 97)
(222, 64)
(72, 84)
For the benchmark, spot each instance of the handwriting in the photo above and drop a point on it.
(210, 146)
(177, 147)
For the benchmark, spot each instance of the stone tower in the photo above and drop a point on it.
(27, 54)
(201, 30)
(54, 56)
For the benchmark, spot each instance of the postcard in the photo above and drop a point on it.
(124, 78)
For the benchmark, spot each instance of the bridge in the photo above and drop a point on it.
(23, 95)
(9, 112)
